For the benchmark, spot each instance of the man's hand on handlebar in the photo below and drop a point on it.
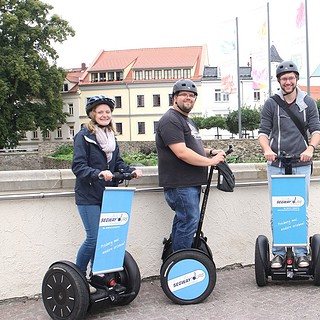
(270, 155)
(219, 157)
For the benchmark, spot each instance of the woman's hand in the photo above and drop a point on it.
(106, 175)
(138, 174)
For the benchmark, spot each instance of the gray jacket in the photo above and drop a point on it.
(282, 132)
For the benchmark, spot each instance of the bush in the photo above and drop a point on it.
(65, 152)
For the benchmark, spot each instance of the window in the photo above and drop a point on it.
(119, 128)
(170, 99)
(102, 76)
(157, 74)
(187, 73)
(59, 132)
(65, 87)
(47, 136)
(119, 76)
(176, 73)
(256, 95)
(94, 77)
(35, 135)
(70, 109)
(155, 126)
(148, 74)
(118, 102)
(156, 100)
(110, 76)
(225, 96)
(138, 75)
(167, 74)
(141, 128)
(140, 101)
(217, 95)
(71, 132)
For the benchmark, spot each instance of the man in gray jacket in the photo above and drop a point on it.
(278, 133)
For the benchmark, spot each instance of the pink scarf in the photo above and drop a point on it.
(107, 141)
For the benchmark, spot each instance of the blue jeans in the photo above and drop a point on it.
(90, 215)
(185, 202)
(306, 170)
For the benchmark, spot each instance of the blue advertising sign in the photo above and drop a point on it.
(289, 209)
(113, 230)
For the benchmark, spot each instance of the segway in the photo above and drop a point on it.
(115, 274)
(188, 276)
(289, 210)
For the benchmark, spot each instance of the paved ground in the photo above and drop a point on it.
(235, 297)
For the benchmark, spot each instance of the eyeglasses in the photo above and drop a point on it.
(187, 95)
(285, 79)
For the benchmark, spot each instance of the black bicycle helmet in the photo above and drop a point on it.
(184, 85)
(96, 100)
(285, 67)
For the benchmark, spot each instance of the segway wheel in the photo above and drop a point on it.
(65, 293)
(129, 278)
(188, 276)
(261, 264)
(315, 258)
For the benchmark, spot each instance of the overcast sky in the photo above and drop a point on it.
(127, 24)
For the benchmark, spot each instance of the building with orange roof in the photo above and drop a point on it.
(141, 80)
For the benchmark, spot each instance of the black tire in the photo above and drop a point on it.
(261, 261)
(315, 258)
(130, 278)
(65, 292)
(188, 264)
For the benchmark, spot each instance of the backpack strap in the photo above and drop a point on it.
(296, 121)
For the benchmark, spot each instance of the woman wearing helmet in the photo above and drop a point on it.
(96, 157)
(278, 133)
(183, 163)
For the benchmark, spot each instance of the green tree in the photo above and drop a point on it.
(250, 119)
(30, 80)
(218, 122)
(232, 124)
(198, 121)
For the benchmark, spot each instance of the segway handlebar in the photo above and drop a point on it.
(288, 157)
(120, 176)
(123, 176)
(287, 160)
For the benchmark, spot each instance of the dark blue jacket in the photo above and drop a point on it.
(88, 161)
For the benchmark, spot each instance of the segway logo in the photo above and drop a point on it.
(186, 280)
(113, 219)
(287, 201)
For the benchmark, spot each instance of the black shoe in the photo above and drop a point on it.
(277, 261)
(118, 288)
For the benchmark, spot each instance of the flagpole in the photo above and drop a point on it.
(238, 81)
(307, 46)
(269, 49)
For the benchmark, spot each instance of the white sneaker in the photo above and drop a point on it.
(92, 289)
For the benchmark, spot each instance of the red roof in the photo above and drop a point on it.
(150, 58)
(314, 91)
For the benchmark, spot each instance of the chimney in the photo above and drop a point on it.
(83, 66)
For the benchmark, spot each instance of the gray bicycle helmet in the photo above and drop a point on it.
(96, 100)
(184, 85)
(285, 67)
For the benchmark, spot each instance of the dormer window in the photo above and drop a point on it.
(94, 77)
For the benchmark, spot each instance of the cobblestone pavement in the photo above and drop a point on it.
(235, 297)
